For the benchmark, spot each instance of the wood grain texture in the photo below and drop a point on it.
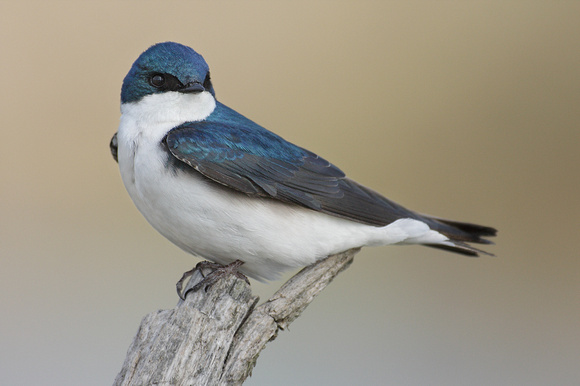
(214, 337)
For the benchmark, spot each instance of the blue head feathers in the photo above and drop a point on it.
(179, 66)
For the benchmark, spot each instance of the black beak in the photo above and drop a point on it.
(192, 87)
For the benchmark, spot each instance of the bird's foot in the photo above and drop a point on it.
(218, 271)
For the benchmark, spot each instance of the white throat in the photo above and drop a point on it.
(153, 115)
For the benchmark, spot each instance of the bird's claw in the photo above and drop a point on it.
(218, 272)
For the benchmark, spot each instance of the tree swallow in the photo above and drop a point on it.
(224, 188)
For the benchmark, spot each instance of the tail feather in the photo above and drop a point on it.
(461, 248)
(460, 234)
(474, 229)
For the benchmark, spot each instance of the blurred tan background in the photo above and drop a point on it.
(465, 110)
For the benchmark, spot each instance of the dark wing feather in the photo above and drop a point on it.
(256, 163)
(113, 146)
(240, 160)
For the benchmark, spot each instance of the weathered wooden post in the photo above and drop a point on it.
(214, 337)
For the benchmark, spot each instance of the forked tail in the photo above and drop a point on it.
(460, 234)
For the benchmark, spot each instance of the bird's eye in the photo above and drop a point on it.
(157, 80)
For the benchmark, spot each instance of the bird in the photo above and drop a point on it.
(223, 188)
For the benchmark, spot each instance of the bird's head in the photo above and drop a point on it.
(165, 73)
(166, 67)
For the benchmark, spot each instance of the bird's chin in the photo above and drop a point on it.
(172, 107)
